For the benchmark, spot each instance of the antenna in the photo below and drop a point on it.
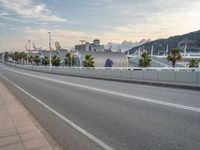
(26, 47)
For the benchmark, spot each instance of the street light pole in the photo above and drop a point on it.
(50, 64)
(14, 57)
(29, 50)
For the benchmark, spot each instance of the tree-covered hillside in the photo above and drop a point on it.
(192, 39)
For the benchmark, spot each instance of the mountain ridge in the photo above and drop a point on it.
(192, 40)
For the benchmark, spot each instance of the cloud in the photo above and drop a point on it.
(114, 21)
(2, 24)
(27, 9)
(125, 45)
(160, 20)
(67, 38)
(3, 13)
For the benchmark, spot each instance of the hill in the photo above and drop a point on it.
(192, 39)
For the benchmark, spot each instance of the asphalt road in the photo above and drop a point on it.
(120, 115)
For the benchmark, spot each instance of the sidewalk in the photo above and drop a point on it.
(18, 131)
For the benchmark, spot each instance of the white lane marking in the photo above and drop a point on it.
(81, 130)
(111, 92)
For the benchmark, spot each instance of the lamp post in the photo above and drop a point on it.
(14, 56)
(50, 64)
(3, 57)
(29, 50)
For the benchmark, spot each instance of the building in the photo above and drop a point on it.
(100, 58)
(90, 47)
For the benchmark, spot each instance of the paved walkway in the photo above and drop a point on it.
(17, 130)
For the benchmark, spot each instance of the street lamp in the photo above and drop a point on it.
(14, 55)
(28, 51)
(3, 57)
(50, 64)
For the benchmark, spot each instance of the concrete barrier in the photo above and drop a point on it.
(126, 74)
(151, 75)
(198, 77)
(167, 75)
(107, 73)
(187, 77)
(116, 73)
(99, 72)
(138, 74)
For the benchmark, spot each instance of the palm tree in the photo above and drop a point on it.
(69, 61)
(174, 56)
(30, 59)
(45, 61)
(16, 56)
(145, 60)
(55, 61)
(193, 63)
(23, 56)
(37, 59)
(6, 56)
(89, 61)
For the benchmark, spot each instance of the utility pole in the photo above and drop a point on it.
(152, 48)
(29, 50)
(3, 57)
(167, 50)
(185, 53)
(50, 64)
(14, 56)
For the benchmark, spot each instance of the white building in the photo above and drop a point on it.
(90, 47)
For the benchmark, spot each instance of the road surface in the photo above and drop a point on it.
(83, 113)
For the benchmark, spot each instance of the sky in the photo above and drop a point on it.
(112, 21)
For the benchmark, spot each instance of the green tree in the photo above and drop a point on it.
(16, 56)
(55, 61)
(145, 60)
(69, 61)
(174, 56)
(23, 56)
(45, 61)
(30, 59)
(89, 61)
(6, 56)
(37, 59)
(193, 63)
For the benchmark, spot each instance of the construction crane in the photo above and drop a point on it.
(26, 47)
(34, 47)
(82, 41)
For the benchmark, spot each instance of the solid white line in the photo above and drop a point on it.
(81, 130)
(111, 92)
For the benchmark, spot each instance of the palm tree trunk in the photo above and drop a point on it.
(173, 64)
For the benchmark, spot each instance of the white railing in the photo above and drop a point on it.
(167, 74)
(113, 68)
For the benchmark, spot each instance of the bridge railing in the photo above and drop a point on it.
(167, 74)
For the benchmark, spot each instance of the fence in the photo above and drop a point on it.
(183, 75)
